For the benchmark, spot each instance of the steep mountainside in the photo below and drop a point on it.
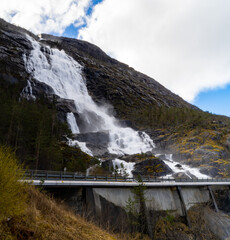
(113, 82)
(34, 117)
(107, 79)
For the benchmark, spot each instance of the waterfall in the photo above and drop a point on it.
(190, 172)
(122, 167)
(72, 123)
(64, 75)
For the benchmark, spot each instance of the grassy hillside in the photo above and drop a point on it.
(45, 219)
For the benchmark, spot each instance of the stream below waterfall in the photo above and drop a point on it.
(64, 75)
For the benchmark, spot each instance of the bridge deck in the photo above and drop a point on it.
(66, 183)
(64, 179)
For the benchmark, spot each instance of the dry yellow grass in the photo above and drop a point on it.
(45, 219)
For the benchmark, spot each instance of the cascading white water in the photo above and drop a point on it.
(122, 167)
(27, 92)
(188, 171)
(72, 122)
(64, 75)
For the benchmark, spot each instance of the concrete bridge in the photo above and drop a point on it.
(69, 179)
(106, 197)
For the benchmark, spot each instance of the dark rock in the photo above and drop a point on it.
(162, 157)
(148, 154)
(178, 165)
(107, 165)
(39, 89)
(8, 78)
(208, 154)
(182, 175)
(154, 167)
(222, 197)
(89, 121)
(218, 223)
(210, 171)
(98, 150)
(97, 138)
(137, 157)
(182, 157)
(65, 105)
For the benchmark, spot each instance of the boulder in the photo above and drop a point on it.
(98, 150)
(107, 165)
(96, 138)
(178, 165)
(152, 166)
(183, 175)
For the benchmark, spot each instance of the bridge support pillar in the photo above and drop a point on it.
(183, 205)
(213, 198)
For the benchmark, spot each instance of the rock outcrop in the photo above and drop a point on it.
(152, 167)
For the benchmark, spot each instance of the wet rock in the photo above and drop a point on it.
(39, 89)
(107, 165)
(96, 138)
(178, 165)
(162, 157)
(137, 157)
(89, 121)
(154, 167)
(184, 175)
(210, 171)
(65, 105)
(218, 223)
(98, 150)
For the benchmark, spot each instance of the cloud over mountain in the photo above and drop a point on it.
(49, 16)
(183, 44)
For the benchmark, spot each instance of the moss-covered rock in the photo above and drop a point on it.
(151, 167)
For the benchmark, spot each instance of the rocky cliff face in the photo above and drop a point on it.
(113, 82)
(108, 81)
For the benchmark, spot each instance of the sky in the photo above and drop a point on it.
(183, 44)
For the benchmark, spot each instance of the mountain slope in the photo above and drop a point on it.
(113, 82)
(34, 121)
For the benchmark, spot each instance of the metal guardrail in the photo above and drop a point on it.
(71, 176)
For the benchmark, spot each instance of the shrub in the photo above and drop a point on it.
(12, 194)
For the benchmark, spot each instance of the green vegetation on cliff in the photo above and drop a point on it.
(175, 117)
(33, 130)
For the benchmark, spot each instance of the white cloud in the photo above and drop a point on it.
(44, 16)
(183, 44)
